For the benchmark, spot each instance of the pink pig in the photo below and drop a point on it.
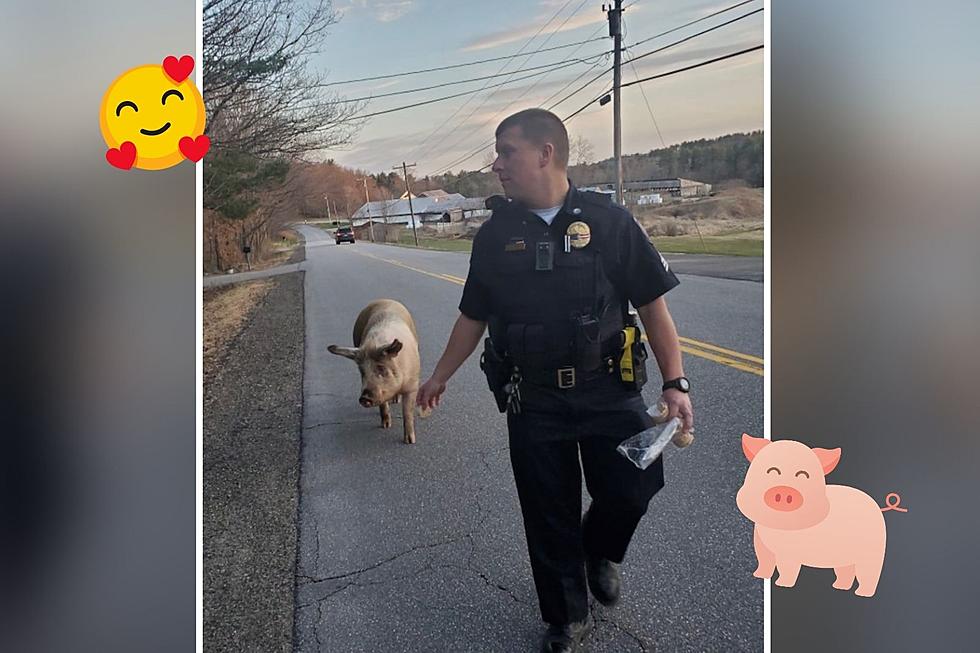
(800, 520)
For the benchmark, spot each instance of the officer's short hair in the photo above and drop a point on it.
(540, 126)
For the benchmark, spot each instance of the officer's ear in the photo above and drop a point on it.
(546, 154)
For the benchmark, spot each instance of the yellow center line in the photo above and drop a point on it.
(721, 350)
(729, 357)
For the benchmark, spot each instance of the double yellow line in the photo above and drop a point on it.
(729, 357)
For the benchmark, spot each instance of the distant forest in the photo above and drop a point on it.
(731, 157)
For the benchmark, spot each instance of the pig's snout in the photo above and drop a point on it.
(365, 399)
(783, 498)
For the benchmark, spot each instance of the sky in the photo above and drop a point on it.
(384, 37)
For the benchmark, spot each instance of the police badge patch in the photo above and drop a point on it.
(578, 234)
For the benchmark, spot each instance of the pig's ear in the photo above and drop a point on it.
(393, 348)
(828, 458)
(346, 352)
(751, 446)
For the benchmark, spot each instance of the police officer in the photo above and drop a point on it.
(553, 272)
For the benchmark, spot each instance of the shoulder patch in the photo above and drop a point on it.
(496, 202)
(602, 199)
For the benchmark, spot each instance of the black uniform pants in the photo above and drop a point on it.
(547, 440)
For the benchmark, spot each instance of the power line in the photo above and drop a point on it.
(461, 94)
(419, 147)
(692, 36)
(458, 65)
(661, 49)
(526, 91)
(644, 94)
(698, 20)
(697, 65)
(557, 65)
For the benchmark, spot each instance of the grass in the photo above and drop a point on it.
(226, 309)
(740, 243)
(440, 244)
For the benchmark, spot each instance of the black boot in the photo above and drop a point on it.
(604, 579)
(566, 638)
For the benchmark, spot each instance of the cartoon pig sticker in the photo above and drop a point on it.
(800, 520)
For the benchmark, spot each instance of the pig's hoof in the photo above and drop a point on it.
(865, 593)
(410, 439)
(760, 573)
(386, 422)
(782, 583)
(839, 585)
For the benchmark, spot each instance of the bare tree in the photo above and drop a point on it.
(581, 151)
(489, 157)
(262, 98)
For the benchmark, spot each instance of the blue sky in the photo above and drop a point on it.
(390, 36)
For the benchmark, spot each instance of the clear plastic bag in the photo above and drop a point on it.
(644, 447)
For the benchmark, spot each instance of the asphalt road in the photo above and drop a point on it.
(421, 547)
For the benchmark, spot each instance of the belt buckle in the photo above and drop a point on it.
(566, 377)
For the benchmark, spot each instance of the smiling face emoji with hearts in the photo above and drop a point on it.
(152, 117)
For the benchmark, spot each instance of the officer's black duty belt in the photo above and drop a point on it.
(564, 378)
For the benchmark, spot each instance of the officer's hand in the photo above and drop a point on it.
(679, 405)
(430, 392)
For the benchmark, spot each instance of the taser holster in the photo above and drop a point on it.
(633, 356)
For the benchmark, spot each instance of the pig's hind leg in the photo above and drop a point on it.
(385, 416)
(767, 561)
(868, 573)
(845, 577)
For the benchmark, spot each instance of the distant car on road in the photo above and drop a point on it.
(344, 235)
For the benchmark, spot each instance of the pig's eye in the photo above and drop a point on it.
(380, 370)
(802, 472)
(774, 469)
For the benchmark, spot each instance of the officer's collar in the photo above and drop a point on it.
(573, 201)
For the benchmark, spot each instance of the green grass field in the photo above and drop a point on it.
(441, 244)
(742, 243)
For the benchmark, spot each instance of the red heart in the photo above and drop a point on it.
(123, 158)
(178, 70)
(194, 148)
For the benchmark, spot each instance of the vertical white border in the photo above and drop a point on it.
(199, 326)
(767, 291)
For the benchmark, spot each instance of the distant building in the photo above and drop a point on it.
(676, 187)
(428, 206)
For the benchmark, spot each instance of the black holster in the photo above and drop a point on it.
(497, 370)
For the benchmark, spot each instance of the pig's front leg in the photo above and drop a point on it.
(408, 415)
(385, 416)
(845, 577)
(767, 561)
(789, 570)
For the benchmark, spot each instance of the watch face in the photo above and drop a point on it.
(683, 383)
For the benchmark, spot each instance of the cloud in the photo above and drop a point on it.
(385, 11)
(502, 37)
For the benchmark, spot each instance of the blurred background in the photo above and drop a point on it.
(97, 318)
(875, 302)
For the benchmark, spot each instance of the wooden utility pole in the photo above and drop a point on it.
(408, 191)
(329, 217)
(615, 30)
(367, 207)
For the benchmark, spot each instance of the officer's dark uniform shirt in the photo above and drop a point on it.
(618, 264)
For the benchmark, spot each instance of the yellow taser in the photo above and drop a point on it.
(626, 361)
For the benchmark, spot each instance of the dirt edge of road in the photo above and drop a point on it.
(253, 412)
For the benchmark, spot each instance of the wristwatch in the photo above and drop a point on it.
(680, 383)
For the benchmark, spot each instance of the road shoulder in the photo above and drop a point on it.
(252, 422)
